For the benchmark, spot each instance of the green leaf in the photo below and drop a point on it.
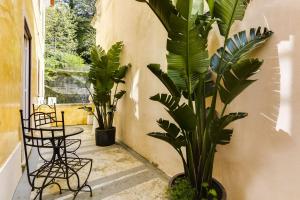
(228, 11)
(246, 68)
(211, 5)
(236, 80)
(177, 143)
(170, 128)
(163, 9)
(105, 71)
(187, 41)
(167, 100)
(113, 56)
(121, 72)
(183, 7)
(217, 132)
(187, 51)
(165, 79)
(227, 119)
(238, 47)
(183, 114)
(213, 193)
(120, 94)
(184, 117)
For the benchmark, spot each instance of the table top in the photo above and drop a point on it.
(46, 133)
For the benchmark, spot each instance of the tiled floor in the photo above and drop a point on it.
(118, 174)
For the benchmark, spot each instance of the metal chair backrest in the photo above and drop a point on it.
(41, 119)
(41, 137)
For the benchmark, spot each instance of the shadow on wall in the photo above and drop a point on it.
(264, 153)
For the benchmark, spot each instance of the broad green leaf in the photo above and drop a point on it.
(177, 143)
(228, 11)
(184, 117)
(227, 119)
(165, 79)
(217, 132)
(187, 41)
(113, 56)
(121, 72)
(183, 7)
(228, 96)
(163, 9)
(246, 68)
(170, 128)
(105, 71)
(167, 100)
(187, 47)
(236, 80)
(238, 47)
(183, 114)
(211, 5)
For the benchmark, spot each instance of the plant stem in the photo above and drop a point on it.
(115, 94)
(105, 116)
(223, 111)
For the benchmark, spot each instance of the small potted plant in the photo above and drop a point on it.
(105, 75)
(197, 126)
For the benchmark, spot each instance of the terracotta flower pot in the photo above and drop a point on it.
(215, 184)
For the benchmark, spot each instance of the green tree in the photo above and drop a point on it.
(60, 31)
(84, 10)
(86, 37)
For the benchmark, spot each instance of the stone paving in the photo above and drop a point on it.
(118, 173)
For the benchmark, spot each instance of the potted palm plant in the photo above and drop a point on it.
(198, 127)
(105, 75)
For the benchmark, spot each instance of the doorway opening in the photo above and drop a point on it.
(26, 97)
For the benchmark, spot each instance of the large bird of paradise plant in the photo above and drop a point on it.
(199, 127)
(105, 75)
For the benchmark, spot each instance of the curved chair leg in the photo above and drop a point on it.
(60, 191)
(80, 187)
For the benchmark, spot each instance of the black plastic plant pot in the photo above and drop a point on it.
(105, 137)
(215, 184)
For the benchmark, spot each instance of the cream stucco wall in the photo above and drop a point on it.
(263, 161)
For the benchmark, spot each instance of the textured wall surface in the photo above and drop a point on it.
(263, 161)
(145, 40)
(12, 14)
(73, 115)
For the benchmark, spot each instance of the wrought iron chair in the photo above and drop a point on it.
(46, 115)
(61, 166)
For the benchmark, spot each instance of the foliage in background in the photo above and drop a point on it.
(69, 38)
(197, 126)
(85, 33)
(105, 75)
(61, 60)
(86, 8)
(60, 31)
(86, 37)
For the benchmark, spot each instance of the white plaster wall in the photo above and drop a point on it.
(263, 160)
(10, 173)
